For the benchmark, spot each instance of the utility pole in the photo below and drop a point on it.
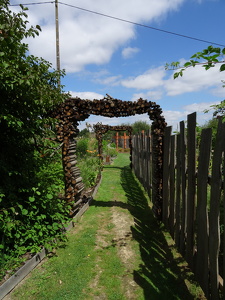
(57, 38)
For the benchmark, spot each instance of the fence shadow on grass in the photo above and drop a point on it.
(159, 274)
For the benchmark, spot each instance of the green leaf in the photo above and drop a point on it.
(187, 64)
(24, 212)
(55, 226)
(38, 27)
(31, 199)
(222, 68)
(176, 75)
(13, 209)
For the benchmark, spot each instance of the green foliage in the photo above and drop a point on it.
(108, 136)
(109, 148)
(207, 58)
(213, 123)
(84, 133)
(90, 167)
(138, 126)
(31, 213)
(82, 147)
(88, 160)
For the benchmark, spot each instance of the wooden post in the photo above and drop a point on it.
(166, 161)
(214, 228)
(202, 261)
(191, 186)
(125, 141)
(183, 189)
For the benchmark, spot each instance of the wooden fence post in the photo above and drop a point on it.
(191, 186)
(166, 161)
(178, 193)
(214, 228)
(172, 185)
(183, 188)
(202, 259)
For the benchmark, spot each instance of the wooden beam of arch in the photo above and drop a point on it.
(74, 110)
(100, 129)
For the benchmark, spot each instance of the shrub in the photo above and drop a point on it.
(82, 147)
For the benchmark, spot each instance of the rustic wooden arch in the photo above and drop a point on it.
(101, 129)
(74, 110)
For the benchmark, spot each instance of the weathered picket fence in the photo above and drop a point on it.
(193, 197)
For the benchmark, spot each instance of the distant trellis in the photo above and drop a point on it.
(101, 129)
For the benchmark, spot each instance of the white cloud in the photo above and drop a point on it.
(194, 79)
(151, 95)
(86, 95)
(151, 79)
(111, 80)
(88, 38)
(173, 117)
(129, 52)
(199, 107)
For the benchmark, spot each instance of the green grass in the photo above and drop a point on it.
(91, 265)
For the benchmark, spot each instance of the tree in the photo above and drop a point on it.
(138, 126)
(207, 58)
(28, 90)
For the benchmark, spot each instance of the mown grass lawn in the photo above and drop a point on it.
(117, 251)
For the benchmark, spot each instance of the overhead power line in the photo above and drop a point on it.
(130, 22)
(33, 3)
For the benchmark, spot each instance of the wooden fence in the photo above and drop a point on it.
(193, 197)
(142, 159)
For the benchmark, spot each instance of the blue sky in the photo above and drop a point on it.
(103, 55)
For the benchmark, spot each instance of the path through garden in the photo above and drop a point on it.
(116, 251)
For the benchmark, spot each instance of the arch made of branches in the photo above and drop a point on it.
(74, 110)
(101, 129)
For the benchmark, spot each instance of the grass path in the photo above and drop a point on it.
(117, 251)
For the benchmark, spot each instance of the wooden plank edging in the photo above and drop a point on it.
(16, 278)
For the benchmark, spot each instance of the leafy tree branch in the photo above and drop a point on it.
(207, 58)
(210, 56)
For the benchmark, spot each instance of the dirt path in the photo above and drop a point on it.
(117, 251)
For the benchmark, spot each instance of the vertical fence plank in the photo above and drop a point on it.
(172, 185)
(202, 260)
(191, 186)
(145, 163)
(214, 228)
(156, 208)
(183, 189)
(166, 158)
(178, 194)
(150, 165)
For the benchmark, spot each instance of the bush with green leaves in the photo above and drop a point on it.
(90, 168)
(88, 160)
(82, 147)
(31, 213)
